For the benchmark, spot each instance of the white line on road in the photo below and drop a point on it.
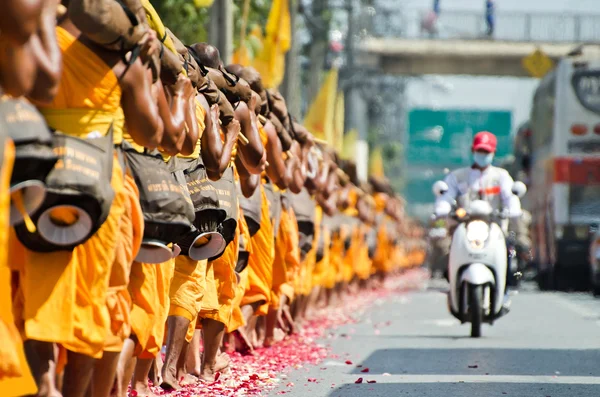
(569, 380)
(583, 311)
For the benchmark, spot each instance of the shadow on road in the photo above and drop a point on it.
(464, 389)
(477, 361)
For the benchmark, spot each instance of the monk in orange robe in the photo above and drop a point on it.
(67, 305)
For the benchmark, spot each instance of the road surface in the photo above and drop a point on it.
(548, 345)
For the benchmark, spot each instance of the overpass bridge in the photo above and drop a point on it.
(455, 44)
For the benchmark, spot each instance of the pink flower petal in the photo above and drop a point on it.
(359, 380)
(365, 370)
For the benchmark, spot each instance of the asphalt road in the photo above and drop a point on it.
(548, 345)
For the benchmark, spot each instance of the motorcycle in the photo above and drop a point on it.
(478, 263)
(438, 243)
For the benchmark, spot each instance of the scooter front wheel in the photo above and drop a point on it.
(476, 309)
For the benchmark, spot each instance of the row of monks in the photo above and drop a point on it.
(89, 302)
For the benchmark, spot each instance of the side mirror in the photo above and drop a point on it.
(443, 208)
(440, 188)
(519, 189)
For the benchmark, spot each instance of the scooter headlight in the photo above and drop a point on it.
(477, 233)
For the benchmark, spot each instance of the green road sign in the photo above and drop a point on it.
(443, 137)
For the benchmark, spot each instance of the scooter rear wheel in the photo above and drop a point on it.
(476, 309)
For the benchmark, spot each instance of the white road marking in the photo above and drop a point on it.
(579, 309)
(446, 322)
(568, 380)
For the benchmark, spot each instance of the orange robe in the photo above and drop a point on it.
(221, 282)
(287, 257)
(329, 274)
(15, 377)
(156, 283)
(188, 289)
(320, 266)
(362, 260)
(260, 264)
(290, 256)
(64, 293)
(118, 299)
(237, 318)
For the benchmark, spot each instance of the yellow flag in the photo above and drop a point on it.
(349, 145)
(376, 168)
(270, 62)
(338, 131)
(251, 46)
(203, 3)
(320, 117)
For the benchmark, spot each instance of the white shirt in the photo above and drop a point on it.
(494, 184)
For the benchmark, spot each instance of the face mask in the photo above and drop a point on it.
(483, 159)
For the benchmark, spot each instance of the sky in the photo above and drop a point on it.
(502, 93)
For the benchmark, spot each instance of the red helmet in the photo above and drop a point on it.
(485, 140)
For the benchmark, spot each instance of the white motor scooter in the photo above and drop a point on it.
(477, 266)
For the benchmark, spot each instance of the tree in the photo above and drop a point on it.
(184, 18)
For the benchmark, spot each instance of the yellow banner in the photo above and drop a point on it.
(376, 167)
(349, 145)
(338, 130)
(270, 62)
(320, 117)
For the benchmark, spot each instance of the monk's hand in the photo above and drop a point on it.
(254, 104)
(183, 87)
(232, 130)
(149, 46)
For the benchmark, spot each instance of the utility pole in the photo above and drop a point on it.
(356, 110)
(220, 31)
(290, 87)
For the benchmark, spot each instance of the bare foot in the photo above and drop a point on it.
(292, 327)
(222, 362)
(155, 371)
(229, 343)
(242, 343)
(281, 322)
(143, 390)
(187, 380)
(279, 335)
(169, 381)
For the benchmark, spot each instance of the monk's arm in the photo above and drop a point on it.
(17, 69)
(47, 56)
(299, 174)
(211, 146)
(172, 117)
(19, 19)
(216, 153)
(328, 204)
(248, 182)
(192, 132)
(278, 170)
(251, 154)
(332, 180)
(141, 112)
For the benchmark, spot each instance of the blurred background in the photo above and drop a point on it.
(401, 86)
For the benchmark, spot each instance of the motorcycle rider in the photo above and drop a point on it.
(481, 181)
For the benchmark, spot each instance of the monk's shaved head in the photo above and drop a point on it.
(208, 55)
(249, 74)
